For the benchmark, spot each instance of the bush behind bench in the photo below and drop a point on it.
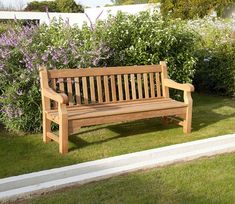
(121, 40)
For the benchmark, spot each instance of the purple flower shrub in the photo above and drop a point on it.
(23, 50)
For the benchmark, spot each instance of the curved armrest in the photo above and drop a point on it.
(58, 97)
(184, 87)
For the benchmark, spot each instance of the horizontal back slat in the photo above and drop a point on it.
(85, 72)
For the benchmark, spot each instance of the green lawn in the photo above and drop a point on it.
(212, 116)
(208, 181)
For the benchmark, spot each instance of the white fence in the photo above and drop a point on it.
(90, 15)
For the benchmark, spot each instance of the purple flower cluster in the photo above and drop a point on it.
(19, 40)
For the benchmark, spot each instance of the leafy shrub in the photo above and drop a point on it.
(215, 72)
(121, 40)
(148, 39)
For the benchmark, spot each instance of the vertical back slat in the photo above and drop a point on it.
(120, 92)
(85, 90)
(99, 87)
(127, 90)
(146, 88)
(77, 90)
(152, 88)
(158, 84)
(113, 88)
(139, 81)
(106, 89)
(53, 86)
(133, 90)
(92, 89)
(61, 85)
(70, 91)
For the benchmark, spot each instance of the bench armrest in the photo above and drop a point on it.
(58, 97)
(184, 87)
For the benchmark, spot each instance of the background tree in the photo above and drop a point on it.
(189, 9)
(125, 2)
(67, 6)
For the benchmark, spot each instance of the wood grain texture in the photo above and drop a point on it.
(120, 92)
(139, 81)
(77, 90)
(127, 90)
(92, 90)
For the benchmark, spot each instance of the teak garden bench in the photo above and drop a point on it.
(73, 98)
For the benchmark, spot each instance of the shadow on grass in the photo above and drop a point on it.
(121, 130)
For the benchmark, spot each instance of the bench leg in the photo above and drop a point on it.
(188, 121)
(63, 136)
(164, 120)
(46, 128)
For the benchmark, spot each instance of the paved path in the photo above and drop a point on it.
(23, 186)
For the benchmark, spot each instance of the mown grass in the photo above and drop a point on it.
(209, 181)
(212, 116)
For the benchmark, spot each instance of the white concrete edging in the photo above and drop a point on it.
(23, 186)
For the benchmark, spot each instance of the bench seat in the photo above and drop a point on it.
(102, 110)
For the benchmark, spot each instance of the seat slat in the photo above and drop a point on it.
(85, 90)
(117, 109)
(146, 87)
(139, 80)
(106, 89)
(92, 89)
(127, 90)
(77, 90)
(120, 92)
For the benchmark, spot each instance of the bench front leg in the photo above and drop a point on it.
(63, 129)
(188, 117)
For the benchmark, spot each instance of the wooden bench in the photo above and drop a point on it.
(73, 98)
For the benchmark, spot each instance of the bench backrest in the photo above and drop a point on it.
(106, 85)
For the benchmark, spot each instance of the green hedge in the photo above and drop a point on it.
(215, 70)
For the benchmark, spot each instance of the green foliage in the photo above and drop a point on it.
(66, 6)
(42, 6)
(126, 2)
(190, 9)
(69, 6)
(215, 71)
